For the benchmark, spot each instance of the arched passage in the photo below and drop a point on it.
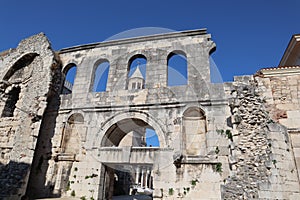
(136, 118)
(130, 132)
(128, 178)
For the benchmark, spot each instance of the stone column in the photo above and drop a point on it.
(147, 185)
(137, 174)
(58, 179)
(142, 178)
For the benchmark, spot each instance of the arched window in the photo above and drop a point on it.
(194, 128)
(177, 68)
(136, 72)
(100, 76)
(70, 73)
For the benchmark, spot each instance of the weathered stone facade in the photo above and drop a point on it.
(235, 140)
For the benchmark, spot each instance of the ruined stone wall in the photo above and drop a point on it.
(26, 83)
(261, 161)
(280, 88)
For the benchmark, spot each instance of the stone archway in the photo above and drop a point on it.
(137, 119)
(123, 178)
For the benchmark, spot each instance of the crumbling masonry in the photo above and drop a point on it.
(237, 140)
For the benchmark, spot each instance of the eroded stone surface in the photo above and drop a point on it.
(27, 80)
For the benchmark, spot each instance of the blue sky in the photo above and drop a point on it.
(249, 34)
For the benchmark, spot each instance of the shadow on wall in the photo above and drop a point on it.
(37, 186)
(12, 178)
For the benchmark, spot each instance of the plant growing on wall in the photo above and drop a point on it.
(274, 162)
(217, 150)
(219, 167)
(194, 182)
(68, 186)
(227, 133)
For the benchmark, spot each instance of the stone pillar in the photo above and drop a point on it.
(147, 185)
(57, 185)
(142, 178)
(137, 175)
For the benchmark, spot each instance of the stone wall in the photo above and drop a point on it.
(30, 69)
(262, 162)
(235, 140)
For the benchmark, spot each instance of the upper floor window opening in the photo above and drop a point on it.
(136, 72)
(177, 68)
(70, 74)
(101, 76)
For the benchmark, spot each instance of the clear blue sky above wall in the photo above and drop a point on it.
(249, 34)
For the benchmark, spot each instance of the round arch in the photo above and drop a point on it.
(75, 118)
(142, 117)
(68, 66)
(194, 111)
(23, 61)
(178, 51)
(194, 106)
(137, 54)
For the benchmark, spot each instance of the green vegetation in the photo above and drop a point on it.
(227, 133)
(92, 176)
(68, 186)
(219, 167)
(194, 182)
(217, 150)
